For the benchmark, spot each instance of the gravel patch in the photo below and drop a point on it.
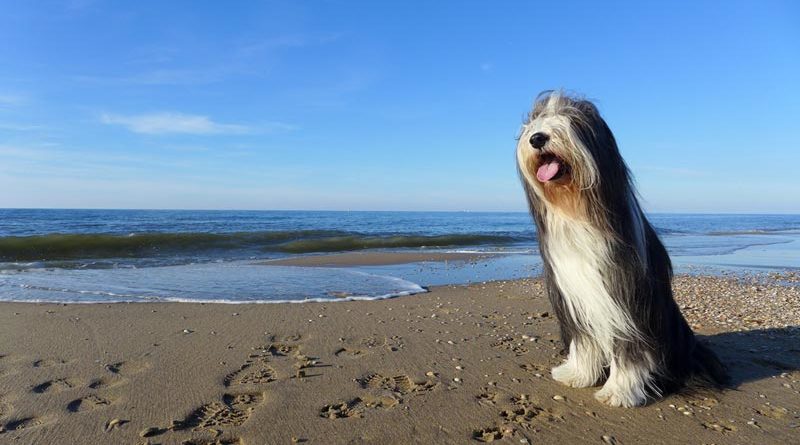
(741, 303)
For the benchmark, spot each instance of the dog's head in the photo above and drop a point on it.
(566, 154)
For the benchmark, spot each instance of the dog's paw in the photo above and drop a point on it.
(567, 374)
(614, 395)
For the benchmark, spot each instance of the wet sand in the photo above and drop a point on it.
(460, 364)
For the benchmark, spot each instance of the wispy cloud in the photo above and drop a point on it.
(10, 126)
(167, 122)
(162, 65)
(285, 41)
(273, 127)
(171, 122)
(11, 100)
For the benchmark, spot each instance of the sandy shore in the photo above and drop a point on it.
(456, 365)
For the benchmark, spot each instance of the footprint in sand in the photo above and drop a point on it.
(87, 403)
(357, 407)
(525, 413)
(384, 393)
(720, 427)
(53, 386)
(20, 424)
(349, 353)
(105, 383)
(706, 403)
(491, 434)
(487, 397)
(231, 441)
(48, 362)
(257, 366)
(274, 350)
(535, 368)
(291, 338)
(234, 410)
(773, 411)
(400, 384)
(250, 374)
(394, 343)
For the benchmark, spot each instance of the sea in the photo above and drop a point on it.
(103, 256)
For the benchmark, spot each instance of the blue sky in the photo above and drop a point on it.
(388, 105)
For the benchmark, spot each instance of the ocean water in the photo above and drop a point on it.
(218, 256)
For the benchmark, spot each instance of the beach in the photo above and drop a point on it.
(458, 364)
(294, 222)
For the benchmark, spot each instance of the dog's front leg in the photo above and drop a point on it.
(584, 365)
(629, 381)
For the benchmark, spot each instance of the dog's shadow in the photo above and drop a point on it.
(757, 354)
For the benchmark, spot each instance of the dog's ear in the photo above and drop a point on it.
(588, 109)
(593, 131)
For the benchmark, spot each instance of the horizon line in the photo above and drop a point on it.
(369, 211)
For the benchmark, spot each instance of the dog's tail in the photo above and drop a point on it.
(707, 369)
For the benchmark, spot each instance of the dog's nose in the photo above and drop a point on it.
(538, 140)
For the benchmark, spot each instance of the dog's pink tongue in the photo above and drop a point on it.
(547, 171)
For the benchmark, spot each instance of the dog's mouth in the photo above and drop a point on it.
(551, 168)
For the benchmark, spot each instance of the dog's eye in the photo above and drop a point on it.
(539, 139)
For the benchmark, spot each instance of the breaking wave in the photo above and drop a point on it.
(143, 245)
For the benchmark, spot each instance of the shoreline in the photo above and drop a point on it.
(766, 300)
(347, 276)
(459, 364)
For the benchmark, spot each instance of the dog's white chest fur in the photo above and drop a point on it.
(579, 256)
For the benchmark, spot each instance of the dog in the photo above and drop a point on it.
(607, 274)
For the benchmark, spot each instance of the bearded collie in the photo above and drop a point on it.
(607, 274)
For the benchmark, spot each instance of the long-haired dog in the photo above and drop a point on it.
(607, 274)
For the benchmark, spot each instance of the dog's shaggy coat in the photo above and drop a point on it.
(608, 275)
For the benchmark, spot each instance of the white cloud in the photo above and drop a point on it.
(171, 122)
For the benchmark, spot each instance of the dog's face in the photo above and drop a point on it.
(562, 150)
